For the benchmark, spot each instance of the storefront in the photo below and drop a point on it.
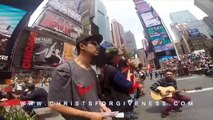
(48, 43)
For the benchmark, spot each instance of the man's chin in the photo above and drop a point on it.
(169, 78)
(97, 53)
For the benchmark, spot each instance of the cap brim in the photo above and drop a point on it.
(98, 38)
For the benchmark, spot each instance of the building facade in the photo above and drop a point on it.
(102, 20)
(179, 48)
(206, 6)
(159, 41)
(142, 56)
(186, 17)
(129, 43)
(182, 17)
(118, 35)
(190, 32)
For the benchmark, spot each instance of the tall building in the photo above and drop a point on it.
(202, 27)
(129, 42)
(209, 22)
(179, 48)
(182, 17)
(142, 56)
(117, 34)
(206, 6)
(94, 18)
(102, 20)
(145, 44)
(190, 32)
(187, 17)
(86, 9)
(158, 38)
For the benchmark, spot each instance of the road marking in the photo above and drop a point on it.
(202, 90)
(179, 79)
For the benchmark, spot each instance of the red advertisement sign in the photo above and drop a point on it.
(28, 52)
(56, 23)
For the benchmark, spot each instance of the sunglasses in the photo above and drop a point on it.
(93, 43)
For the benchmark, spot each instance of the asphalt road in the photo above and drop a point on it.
(200, 108)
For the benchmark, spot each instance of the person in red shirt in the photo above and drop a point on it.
(149, 70)
(129, 72)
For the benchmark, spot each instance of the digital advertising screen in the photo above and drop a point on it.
(151, 19)
(193, 32)
(9, 19)
(143, 7)
(159, 38)
(166, 57)
(165, 47)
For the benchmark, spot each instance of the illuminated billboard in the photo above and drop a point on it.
(151, 19)
(9, 19)
(143, 7)
(159, 38)
(165, 47)
(56, 23)
(166, 57)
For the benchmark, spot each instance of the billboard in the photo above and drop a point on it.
(165, 47)
(66, 7)
(166, 57)
(193, 32)
(55, 23)
(159, 38)
(151, 19)
(69, 52)
(143, 7)
(9, 19)
(28, 51)
(48, 51)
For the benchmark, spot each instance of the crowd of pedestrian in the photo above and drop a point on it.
(24, 90)
(188, 64)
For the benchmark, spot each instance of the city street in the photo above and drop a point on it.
(200, 108)
(202, 100)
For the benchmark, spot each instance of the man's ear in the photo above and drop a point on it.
(82, 46)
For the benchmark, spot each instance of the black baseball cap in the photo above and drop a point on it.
(84, 38)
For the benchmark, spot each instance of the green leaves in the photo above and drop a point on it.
(14, 113)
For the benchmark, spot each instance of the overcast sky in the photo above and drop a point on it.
(124, 11)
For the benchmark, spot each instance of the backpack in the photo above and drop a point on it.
(108, 93)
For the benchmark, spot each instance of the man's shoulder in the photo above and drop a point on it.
(162, 80)
(65, 65)
(64, 69)
(111, 67)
